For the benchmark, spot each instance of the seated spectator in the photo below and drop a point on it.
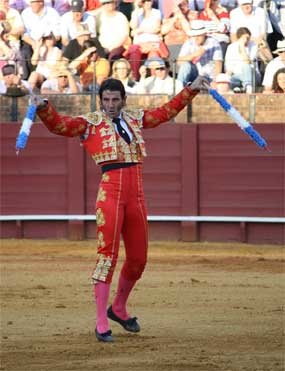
(147, 40)
(273, 66)
(91, 68)
(71, 21)
(161, 82)
(11, 83)
(61, 81)
(223, 84)
(46, 55)
(37, 18)
(175, 28)
(278, 85)
(252, 17)
(13, 17)
(200, 54)
(121, 70)
(9, 53)
(276, 13)
(112, 28)
(257, 21)
(217, 22)
(75, 46)
(240, 62)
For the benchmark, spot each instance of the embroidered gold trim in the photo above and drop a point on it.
(101, 195)
(103, 266)
(100, 217)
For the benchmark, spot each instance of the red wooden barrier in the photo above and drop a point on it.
(210, 170)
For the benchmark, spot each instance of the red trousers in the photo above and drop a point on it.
(120, 210)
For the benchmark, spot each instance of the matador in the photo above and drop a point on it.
(113, 138)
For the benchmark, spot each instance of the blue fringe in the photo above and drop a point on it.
(255, 136)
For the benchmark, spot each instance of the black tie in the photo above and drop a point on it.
(121, 130)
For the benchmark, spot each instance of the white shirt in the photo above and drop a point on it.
(257, 22)
(3, 87)
(233, 59)
(113, 30)
(155, 85)
(206, 64)
(68, 28)
(124, 126)
(52, 84)
(36, 25)
(270, 70)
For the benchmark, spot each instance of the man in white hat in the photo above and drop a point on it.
(199, 55)
(273, 66)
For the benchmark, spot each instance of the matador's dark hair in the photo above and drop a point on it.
(112, 85)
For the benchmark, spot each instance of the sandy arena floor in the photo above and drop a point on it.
(202, 307)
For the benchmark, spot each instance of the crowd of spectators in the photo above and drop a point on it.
(153, 47)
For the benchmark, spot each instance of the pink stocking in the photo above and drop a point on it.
(120, 301)
(101, 293)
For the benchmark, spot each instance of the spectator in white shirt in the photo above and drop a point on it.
(71, 20)
(112, 29)
(37, 19)
(61, 82)
(252, 17)
(240, 61)
(11, 83)
(160, 82)
(273, 66)
(14, 18)
(199, 55)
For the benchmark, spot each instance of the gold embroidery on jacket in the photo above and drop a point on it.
(105, 178)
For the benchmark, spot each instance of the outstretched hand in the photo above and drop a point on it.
(37, 101)
(200, 83)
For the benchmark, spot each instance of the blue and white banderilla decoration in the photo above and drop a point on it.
(238, 119)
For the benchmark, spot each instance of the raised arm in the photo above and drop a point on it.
(60, 124)
(157, 116)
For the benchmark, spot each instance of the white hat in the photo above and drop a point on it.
(197, 28)
(223, 77)
(280, 47)
(242, 2)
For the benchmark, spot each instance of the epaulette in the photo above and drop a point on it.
(94, 118)
(136, 114)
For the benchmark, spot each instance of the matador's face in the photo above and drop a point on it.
(112, 103)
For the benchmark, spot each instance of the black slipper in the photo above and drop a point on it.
(106, 337)
(129, 324)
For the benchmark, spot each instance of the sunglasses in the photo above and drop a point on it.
(64, 76)
(159, 68)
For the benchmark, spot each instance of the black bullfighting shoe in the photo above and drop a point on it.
(106, 337)
(128, 324)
